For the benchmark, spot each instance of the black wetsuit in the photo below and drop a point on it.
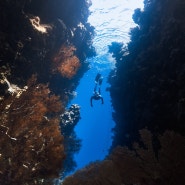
(96, 96)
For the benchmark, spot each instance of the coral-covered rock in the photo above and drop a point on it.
(148, 85)
(71, 116)
(141, 165)
(31, 142)
(72, 144)
(65, 62)
(31, 33)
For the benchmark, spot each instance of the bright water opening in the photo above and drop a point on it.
(112, 20)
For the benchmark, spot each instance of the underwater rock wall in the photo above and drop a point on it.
(42, 56)
(147, 88)
(33, 33)
(71, 116)
(138, 166)
(72, 143)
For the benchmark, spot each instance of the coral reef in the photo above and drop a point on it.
(72, 144)
(31, 33)
(141, 165)
(43, 28)
(71, 116)
(31, 142)
(36, 31)
(65, 62)
(147, 88)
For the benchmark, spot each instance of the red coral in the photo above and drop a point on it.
(142, 165)
(65, 62)
(30, 136)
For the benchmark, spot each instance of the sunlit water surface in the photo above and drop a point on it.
(112, 20)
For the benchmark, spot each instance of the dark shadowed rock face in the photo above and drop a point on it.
(138, 166)
(33, 68)
(148, 87)
(32, 32)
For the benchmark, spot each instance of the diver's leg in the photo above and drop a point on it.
(97, 77)
(100, 80)
(95, 87)
(99, 91)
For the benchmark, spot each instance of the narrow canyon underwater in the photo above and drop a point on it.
(50, 131)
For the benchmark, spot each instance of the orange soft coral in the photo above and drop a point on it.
(31, 144)
(65, 62)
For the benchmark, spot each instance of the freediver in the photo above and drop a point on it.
(97, 93)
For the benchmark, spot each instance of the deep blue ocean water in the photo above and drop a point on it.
(112, 20)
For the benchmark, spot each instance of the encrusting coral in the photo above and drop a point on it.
(31, 144)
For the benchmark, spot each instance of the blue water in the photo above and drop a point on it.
(112, 20)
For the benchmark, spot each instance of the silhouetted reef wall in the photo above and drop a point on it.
(147, 87)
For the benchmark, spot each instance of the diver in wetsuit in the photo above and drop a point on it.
(97, 94)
